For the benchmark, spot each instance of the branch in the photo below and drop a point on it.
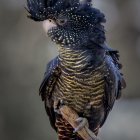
(70, 115)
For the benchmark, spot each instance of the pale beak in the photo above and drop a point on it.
(47, 24)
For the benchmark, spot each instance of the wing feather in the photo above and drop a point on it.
(51, 75)
(114, 81)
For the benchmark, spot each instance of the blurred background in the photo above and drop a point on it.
(24, 52)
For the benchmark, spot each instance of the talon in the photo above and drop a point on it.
(75, 130)
(89, 105)
(57, 111)
(56, 106)
(61, 102)
(82, 122)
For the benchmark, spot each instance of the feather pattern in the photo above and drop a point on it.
(37, 9)
(46, 89)
(86, 75)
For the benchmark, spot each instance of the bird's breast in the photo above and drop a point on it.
(79, 84)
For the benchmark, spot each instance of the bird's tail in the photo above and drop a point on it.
(65, 130)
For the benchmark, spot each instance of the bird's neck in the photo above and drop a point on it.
(80, 58)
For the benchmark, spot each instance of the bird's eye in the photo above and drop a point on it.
(61, 21)
(50, 20)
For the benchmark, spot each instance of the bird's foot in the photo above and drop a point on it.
(57, 106)
(82, 122)
(57, 111)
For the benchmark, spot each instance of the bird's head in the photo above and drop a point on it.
(77, 22)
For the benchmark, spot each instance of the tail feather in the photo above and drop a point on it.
(65, 130)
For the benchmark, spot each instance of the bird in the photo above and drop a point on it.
(86, 74)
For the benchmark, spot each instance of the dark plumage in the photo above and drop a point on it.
(86, 73)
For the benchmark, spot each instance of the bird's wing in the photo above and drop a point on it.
(113, 53)
(114, 81)
(47, 86)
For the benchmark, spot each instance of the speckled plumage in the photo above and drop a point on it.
(86, 73)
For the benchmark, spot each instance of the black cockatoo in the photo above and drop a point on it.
(86, 74)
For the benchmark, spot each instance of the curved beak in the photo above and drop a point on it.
(47, 24)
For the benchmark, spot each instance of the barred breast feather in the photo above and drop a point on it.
(79, 84)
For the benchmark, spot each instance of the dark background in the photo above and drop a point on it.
(24, 52)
